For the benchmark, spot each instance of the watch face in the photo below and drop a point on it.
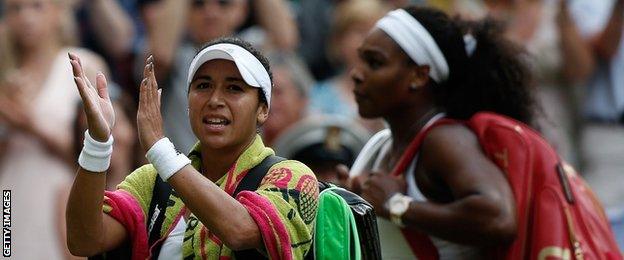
(398, 205)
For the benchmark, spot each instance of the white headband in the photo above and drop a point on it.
(250, 68)
(416, 41)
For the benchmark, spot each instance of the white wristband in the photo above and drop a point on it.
(166, 159)
(95, 155)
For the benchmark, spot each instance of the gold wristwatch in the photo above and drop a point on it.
(397, 205)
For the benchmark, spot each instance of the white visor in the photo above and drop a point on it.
(250, 68)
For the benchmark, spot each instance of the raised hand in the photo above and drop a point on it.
(149, 119)
(97, 103)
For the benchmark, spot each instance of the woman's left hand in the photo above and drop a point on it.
(149, 119)
(379, 188)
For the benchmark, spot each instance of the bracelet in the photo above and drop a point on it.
(95, 156)
(164, 157)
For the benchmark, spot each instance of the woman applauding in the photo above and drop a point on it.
(229, 92)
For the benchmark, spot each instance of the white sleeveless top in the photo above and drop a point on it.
(172, 247)
(393, 243)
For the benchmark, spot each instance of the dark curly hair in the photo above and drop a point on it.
(247, 46)
(494, 78)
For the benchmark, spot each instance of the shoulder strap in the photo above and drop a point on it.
(162, 191)
(251, 181)
(414, 146)
(160, 197)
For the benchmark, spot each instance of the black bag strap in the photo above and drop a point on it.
(251, 182)
(160, 197)
(162, 190)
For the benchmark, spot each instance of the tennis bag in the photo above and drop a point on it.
(558, 215)
(345, 227)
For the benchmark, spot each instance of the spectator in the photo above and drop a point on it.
(326, 144)
(112, 28)
(602, 24)
(106, 27)
(352, 21)
(35, 106)
(314, 19)
(560, 60)
(289, 99)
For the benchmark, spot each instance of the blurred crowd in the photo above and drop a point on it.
(575, 49)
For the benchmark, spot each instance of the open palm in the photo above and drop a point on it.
(97, 103)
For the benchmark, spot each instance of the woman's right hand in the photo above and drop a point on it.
(356, 183)
(149, 118)
(97, 103)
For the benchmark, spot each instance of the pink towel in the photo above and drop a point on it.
(127, 211)
(274, 233)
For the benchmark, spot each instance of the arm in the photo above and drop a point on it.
(89, 230)
(112, 25)
(17, 115)
(205, 199)
(275, 17)
(481, 211)
(165, 22)
(483, 205)
(606, 43)
(16, 112)
(55, 146)
(578, 61)
(212, 205)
